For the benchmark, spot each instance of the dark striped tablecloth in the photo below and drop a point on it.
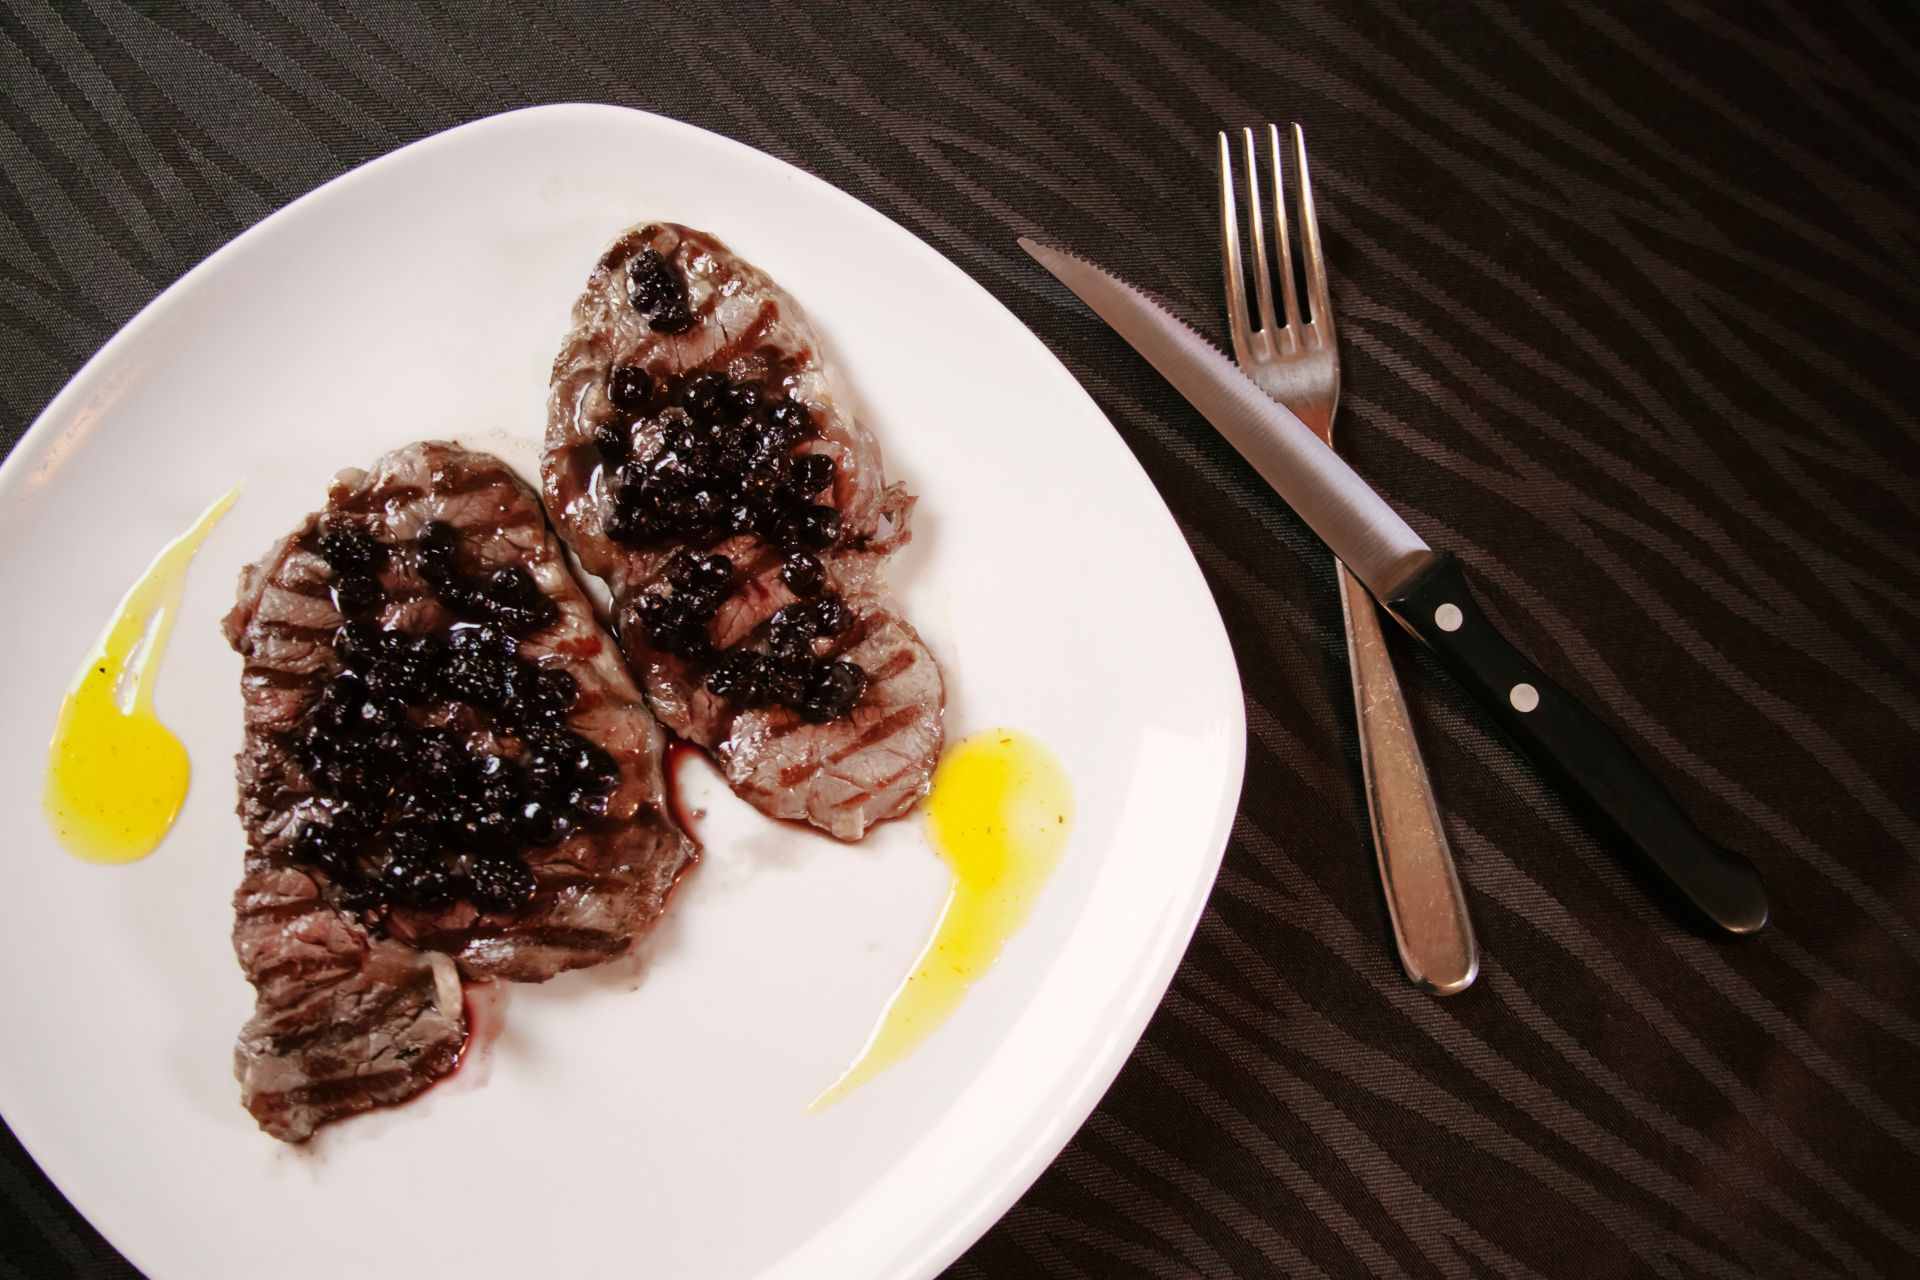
(1630, 308)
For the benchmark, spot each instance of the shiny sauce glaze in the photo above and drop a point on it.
(117, 776)
(694, 460)
(438, 754)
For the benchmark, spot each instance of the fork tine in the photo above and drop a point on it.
(1287, 297)
(1322, 328)
(1262, 286)
(1230, 248)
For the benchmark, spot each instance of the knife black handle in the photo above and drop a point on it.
(1570, 743)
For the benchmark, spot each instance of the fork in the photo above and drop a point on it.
(1298, 365)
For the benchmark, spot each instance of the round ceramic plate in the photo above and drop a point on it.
(649, 1118)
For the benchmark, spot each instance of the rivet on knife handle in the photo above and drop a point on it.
(1426, 592)
(1431, 927)
(1568, 741)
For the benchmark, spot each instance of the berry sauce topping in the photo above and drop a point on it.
(803, 574)
(723, 463)
(438, 759)
(657, 292)
(728, 460)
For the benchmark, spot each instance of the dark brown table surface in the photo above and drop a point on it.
(1630, 307)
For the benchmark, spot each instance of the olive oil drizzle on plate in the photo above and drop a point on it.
(116, 776)
(999, 815)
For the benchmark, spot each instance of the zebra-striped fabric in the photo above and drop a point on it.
(1630, 308)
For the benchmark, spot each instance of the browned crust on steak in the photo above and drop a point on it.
(351, 1015)
(342, 1021)
(843, 776)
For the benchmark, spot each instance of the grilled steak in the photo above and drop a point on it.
(448, 776)
(698, 459)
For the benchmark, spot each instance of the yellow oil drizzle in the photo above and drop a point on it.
(999, 814)
(116, 776)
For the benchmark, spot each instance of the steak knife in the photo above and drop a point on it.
(1426, 592)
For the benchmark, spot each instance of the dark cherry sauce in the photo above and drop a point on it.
(723, 456)
(657, 291)
(692, 460)
(439, 757)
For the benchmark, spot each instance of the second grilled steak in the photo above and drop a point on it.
(448, 775)
(699, 459)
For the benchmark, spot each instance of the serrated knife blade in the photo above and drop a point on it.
(1368, 535)
(1426, 592)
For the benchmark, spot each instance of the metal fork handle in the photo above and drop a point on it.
(1424, 902)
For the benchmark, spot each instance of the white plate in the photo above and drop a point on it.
(651, 1120)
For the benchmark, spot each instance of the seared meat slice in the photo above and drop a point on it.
(698, 459)
(343, 1021)
(447, 774)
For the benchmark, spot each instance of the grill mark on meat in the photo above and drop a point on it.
(366, 502)
(298, 631)
(308, 587)
(308, 584)
(296, 968)
(879, 731)
(352, 1014)
(280, 912)
(334, 1094)
(885, 783)
(842, 776)
(335, 1033)
(746, 340)
(893, 666)
(469, 484)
